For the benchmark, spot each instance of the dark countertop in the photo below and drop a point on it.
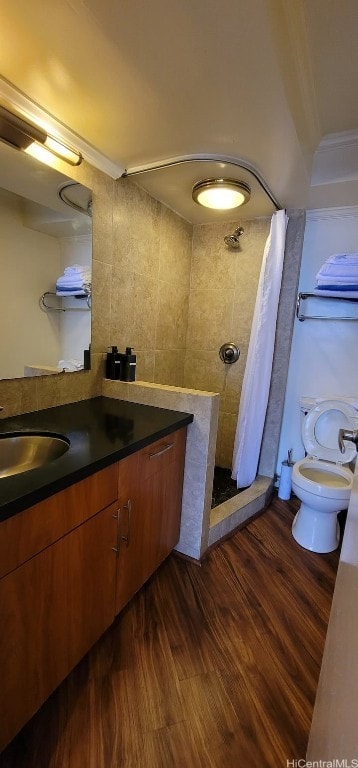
(101, 431)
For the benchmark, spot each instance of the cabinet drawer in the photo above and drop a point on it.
(34, 529)
(155, 457)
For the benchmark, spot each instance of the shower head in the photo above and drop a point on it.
(233, 241)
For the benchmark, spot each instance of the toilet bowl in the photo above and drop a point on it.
(321, 481)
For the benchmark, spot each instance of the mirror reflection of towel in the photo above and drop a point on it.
(70, 365)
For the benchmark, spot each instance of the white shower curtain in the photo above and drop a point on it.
(256, 383)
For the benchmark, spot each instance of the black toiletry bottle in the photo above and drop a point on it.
(87, 359)
(113, 363)
(128, 365)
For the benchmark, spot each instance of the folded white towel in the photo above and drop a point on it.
(343, 258)
(70, 365)
(336, 294)
(340, 265)
(75, 276)
(77, 268)
(74, 279)
(338, 270)
(79, 277)
(337, 279)
(69, 283)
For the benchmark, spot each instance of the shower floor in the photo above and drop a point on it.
(224, 488)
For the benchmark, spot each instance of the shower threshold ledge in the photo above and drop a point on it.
(233, 513)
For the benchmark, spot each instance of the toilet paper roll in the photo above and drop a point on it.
(284, 490)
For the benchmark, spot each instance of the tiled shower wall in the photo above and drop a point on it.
(178, 293)
(222, 297)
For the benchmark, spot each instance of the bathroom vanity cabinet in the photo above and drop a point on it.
(58, 596)
(71, 562)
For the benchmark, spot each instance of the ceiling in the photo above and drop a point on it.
(270, 84)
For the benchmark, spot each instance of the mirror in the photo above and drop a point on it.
(43, 235)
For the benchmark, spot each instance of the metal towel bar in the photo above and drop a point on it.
(303, 296)
(47, 308)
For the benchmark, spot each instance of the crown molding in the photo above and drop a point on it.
(336, 159)
(332, 141)
(12, 98)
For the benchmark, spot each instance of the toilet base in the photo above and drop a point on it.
(316, 531)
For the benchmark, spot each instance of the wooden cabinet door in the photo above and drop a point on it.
(53, 608)
(150, 494)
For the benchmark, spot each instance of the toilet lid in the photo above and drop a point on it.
(320, 431)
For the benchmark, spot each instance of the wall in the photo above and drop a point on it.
(323, 360)
(75, 327)
(221, 303)
(334, 722)
(174, 303)
(29, 262)
(149, 291)
(29, 394)
(178, 293)
(176, 306)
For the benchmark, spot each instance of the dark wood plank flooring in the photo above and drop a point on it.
(208, 667)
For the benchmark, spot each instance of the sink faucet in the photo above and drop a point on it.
(347, 434)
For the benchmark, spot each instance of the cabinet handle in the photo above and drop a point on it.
(128, 507)
(163, 450)
(116, 548)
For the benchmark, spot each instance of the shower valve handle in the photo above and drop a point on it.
(229, 353)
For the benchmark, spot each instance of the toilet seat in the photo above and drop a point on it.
(320, 431)
(322, 481)
(322, 478)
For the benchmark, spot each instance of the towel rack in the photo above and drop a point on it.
(303, 296)
(47, 308)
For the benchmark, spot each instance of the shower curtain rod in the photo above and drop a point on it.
(205, 158)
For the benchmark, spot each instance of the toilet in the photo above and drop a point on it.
(323, 479)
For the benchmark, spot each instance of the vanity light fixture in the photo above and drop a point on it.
(33, 140)
(221, 194)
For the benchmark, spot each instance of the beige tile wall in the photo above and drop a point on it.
(221, 303)
(150, 288)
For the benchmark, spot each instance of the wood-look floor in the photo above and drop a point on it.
(208, 667)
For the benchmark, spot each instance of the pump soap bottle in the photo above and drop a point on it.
(113, 363)
(128, 365)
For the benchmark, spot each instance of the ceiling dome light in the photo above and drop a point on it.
(221, 194)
